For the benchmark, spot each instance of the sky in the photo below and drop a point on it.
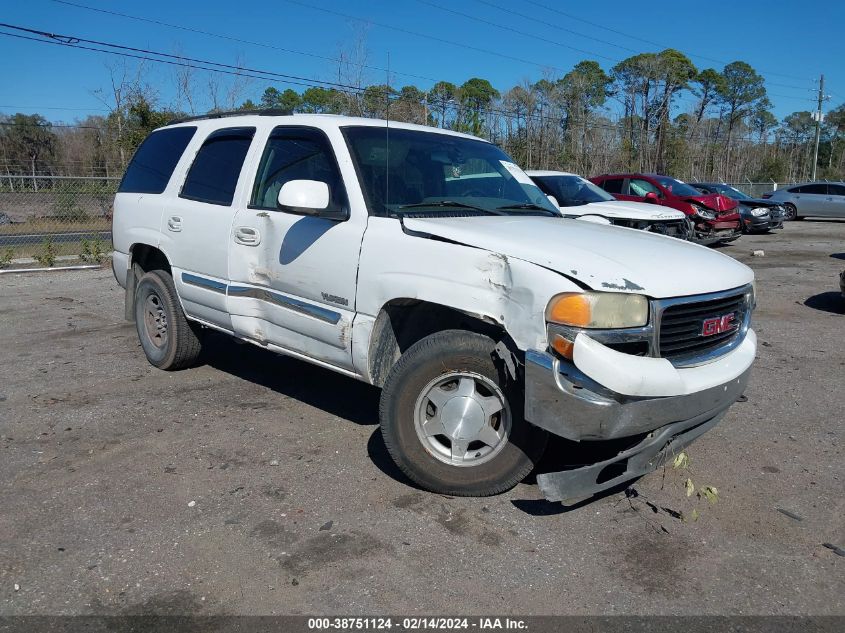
(422, 41)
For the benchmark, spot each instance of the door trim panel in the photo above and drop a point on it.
(270, 296)
(263, 294)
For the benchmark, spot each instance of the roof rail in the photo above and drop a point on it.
(228, 113)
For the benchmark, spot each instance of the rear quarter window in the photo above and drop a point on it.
(151, 167)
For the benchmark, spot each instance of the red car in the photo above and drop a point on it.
(715, 218)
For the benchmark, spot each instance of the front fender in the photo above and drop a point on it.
(505, 290)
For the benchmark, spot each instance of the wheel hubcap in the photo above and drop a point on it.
(462, 419)
(155, 320)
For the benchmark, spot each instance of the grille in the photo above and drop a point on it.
(681, 326)
(672, 228)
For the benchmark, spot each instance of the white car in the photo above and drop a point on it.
(578, 198)
(427, 263)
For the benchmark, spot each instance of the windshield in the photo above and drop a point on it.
(572, 191)
(730, 192)
(676, 187)
(407, 170)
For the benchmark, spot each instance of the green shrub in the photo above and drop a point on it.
(47, 255)
(93, 251)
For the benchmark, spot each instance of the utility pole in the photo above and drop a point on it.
(818, 125)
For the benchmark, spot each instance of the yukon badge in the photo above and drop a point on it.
(719, 324)
(335, 299)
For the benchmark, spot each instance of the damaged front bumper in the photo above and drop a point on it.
(565, 401)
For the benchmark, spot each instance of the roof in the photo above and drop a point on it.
(254, 117)
(541, 172)
(629, 174)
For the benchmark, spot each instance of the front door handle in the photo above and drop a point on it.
(247, 236)
(174, 223)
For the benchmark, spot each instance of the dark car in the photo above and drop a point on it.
(715, 217)
(758, 214)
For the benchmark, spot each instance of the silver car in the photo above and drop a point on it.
(817, 199)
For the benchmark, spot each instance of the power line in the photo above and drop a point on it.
(557, 27)
(513, 30)
(634, 37)
(20, 107)
(49, 125)
(74, 41)
(545, 23)
(433, 38)
(237, 39)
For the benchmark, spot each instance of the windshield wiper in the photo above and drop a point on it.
(449, 204)
(527, 205)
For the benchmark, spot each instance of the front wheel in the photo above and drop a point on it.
(451, 417)
(791, 212)
(168, 339)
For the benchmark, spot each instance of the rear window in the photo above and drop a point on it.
(214, 173)
(150, 169)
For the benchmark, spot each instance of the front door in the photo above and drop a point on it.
(292, 276)
(834, 203)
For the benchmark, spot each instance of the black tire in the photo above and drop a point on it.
(438, 355)
(168, 339)
(791, 212)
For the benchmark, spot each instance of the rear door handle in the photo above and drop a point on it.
(174, 223)
(247, 236)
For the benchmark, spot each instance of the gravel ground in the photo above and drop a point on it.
(257, 484)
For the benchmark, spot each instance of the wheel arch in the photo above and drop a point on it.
(143, 258)
(401, 322)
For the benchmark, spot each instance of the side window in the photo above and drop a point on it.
(836, 190)
(214, 173)
(819, 188)
(639, 187)
(296, 154)
(151, 167)
(612, 185)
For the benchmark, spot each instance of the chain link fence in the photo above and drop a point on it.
(757, 189)
(48, 221)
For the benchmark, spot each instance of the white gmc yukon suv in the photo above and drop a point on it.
(427, 263)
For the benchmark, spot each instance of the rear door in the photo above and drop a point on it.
(293, 276)
(615, 187)
(196, 223)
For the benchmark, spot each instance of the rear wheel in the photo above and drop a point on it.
(168, 339)
(451, 417)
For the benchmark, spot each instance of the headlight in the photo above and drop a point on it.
(598, 310)
(707, 214)
(759, 212)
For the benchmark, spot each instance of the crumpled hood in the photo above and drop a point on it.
(713, 201)
(625, 210)
(601, 257)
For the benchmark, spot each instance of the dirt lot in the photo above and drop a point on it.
(257, 484)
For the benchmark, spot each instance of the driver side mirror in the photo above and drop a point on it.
(307, 197)
(651, 197)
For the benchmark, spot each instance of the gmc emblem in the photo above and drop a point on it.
(718, 325)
